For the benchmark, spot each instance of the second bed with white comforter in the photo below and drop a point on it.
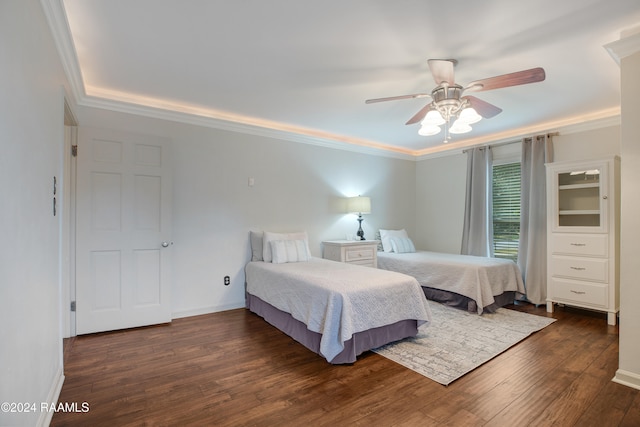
(480, 279)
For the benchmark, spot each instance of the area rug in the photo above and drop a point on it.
(456, 342)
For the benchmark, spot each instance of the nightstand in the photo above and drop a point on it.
(360, 252)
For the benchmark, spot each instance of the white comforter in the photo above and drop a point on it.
(337, 299)
(478, 278)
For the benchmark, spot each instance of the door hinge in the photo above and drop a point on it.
(73, 306)
(74, 150)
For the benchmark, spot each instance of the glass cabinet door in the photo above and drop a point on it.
(580, 197)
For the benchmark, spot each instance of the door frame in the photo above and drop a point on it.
(67, 190)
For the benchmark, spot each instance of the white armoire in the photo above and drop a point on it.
(583, 235)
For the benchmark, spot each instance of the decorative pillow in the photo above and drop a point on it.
(255, 238)
(289, 251)
(269, 236)
(402, 245)
(386, 235)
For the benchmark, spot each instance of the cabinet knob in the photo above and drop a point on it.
(604, 197)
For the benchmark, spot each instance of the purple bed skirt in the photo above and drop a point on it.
(460, 301)
(358, 344)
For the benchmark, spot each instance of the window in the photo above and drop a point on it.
(506, 210)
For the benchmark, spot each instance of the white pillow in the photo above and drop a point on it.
(386, 235)
(402, 245)
(268, 236)
(289, 251)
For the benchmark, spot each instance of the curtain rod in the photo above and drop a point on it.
(500, 144)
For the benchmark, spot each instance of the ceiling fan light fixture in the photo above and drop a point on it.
(450, 108)
(469, 116)
(459, 127)
(428, 130)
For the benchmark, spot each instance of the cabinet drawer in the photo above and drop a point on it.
(580, 244)
(580, 268)
(359, 253)
(592, 294)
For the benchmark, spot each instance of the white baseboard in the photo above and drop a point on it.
(630, 379)
(206, 310)
(52, 398)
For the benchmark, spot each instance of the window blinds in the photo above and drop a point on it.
(506, 210)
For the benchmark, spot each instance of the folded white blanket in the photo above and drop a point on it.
(337, 299)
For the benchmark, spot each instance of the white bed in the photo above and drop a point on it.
(486, 282)
(337, 310)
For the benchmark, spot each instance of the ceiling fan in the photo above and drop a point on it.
(448, 103)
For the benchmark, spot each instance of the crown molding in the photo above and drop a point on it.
(159, 109)
(57, 19)
(605, 121)
(584, 123)
(207, 118)
(628, 44)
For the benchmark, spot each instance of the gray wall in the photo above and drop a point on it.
(629, 371)
(296, 187)
(440, 193)
(32, 136)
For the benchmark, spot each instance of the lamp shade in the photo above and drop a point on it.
(359, 205)
(469, 116)
(433, 118)
(459, 127)
(428, 130)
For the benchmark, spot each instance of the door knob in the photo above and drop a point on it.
(165, 244)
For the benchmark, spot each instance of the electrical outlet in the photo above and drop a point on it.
(227, 280)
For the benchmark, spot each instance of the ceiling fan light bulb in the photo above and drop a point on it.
(433, 118)
(459, 127)
(469, 116)
(428, 130)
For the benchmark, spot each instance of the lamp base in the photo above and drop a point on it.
(360, 232)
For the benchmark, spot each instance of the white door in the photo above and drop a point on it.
(123, 243)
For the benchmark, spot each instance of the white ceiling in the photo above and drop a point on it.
(305, 68)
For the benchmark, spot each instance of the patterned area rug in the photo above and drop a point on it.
(457, 342)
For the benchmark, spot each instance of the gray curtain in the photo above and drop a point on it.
(477, 234)
(532, 247)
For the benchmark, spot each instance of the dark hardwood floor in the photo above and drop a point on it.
(234, 369)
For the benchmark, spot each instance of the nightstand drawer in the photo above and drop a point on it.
(364, 263)
(592, 294)
(580, 244)
(359, 253)
(580, 268)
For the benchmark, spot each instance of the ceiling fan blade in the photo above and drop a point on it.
(419, 115)
(394, 98)
(483, 108)
(442, 70)
(532, 75)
